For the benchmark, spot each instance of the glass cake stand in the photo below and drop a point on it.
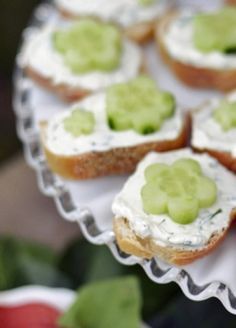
(89, 202)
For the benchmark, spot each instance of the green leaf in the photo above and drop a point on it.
(112, 304)
(24, 263)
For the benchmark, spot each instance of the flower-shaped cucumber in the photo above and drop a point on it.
(216, 31)
(178, 190)
(138, 105)
(79, 123)
(225, 115)
(88, 45)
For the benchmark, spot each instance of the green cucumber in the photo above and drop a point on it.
(145, 107)
(156, 170)
(206, 192)
(155, 200)
(183, 210)
(79, 123)
(89, 45)
(188, 164)
(215, 31)
(225, 115)
(178, 190)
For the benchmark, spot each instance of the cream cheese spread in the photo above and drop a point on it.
(61, 142)
(178, 40)
(38, 54)
(207, 133)
(164, 231)
(124, 12)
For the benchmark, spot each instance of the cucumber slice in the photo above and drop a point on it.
(183, 210)
(225, 115)
(165, 104)
(156, 170)
(215, 31)
(146, 122)
(206, 192)
(154, 199)
(223, 119)
(89, 45)
(182, 186)
(145, 107)
(171, 186)
(189, 184)
(79, 123)
(187, 164)
(78, 62)
(120, 123)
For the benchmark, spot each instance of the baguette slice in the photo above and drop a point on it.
(115, 159)
(193, 76)
(209, 145)
(42, 64)
(130, 242)
(63, 91)
(140, 32)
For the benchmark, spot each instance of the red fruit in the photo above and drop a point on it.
(33, 315)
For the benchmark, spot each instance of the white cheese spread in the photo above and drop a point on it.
(38, 54)
(207, 133)
(61, 142)
(178, 40)
(124, 12)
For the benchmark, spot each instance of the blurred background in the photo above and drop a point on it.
(37, 246)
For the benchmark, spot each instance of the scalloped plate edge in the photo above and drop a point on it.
(52, 186)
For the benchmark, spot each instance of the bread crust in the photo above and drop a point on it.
(140, 32)
(196, 77)
(115, 161)
(225, 158)
(64, 91)
(147, 248)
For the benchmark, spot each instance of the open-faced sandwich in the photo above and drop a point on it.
(177, 206)
(214, 130)
(78, 58)
(135, 17)
(200, 48)
(109, 133)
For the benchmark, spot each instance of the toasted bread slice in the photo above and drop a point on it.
(115, 161)
(130, 243)
(193, 76)
(140, 33)
(63, 91)
(148, 235)
(202, 142)
(47, 68)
